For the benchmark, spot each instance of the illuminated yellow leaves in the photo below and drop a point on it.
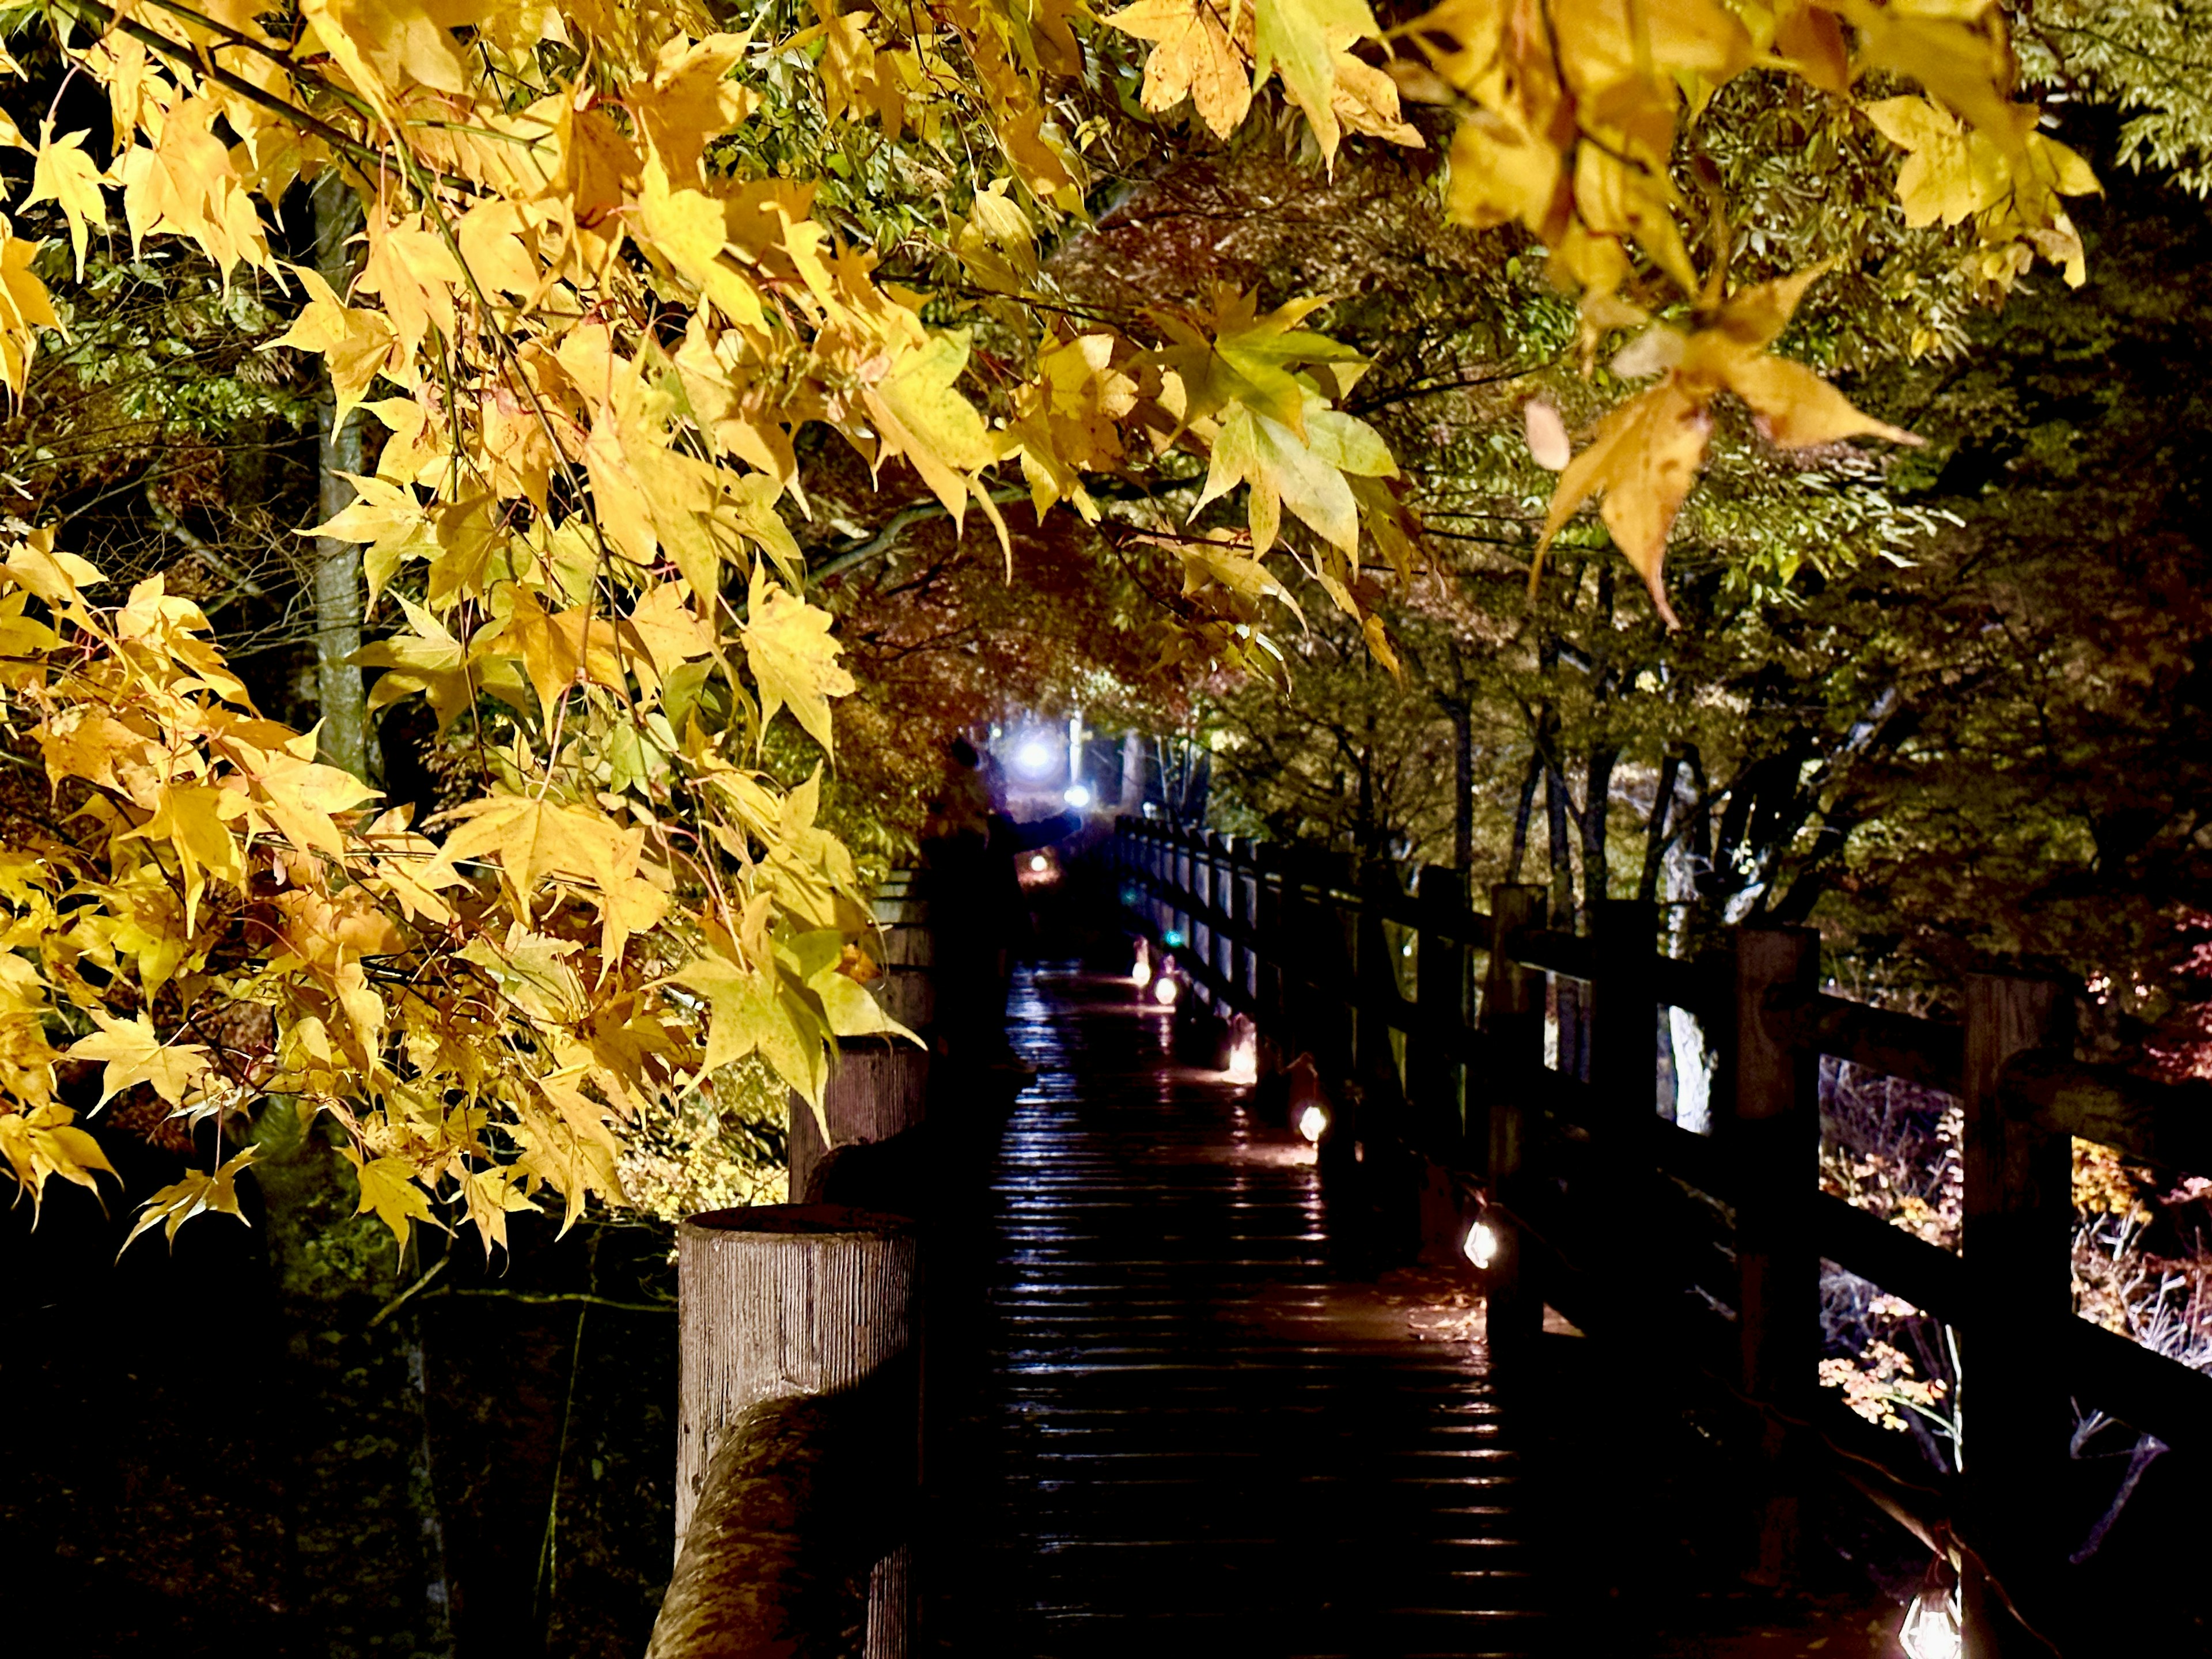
(135, 1053)
(2007, 185)
(41, 1143)
(1219, 52)
(1302, 39)
(183, 183)
(1194, 56)
(66, 176)
(920, 414)
(196, 1195)
(356, 344)
(24, 307)
(793, 658)
(1305, 474)
(1643, 456)
(387, 1187)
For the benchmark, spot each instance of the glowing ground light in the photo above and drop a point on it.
(1481, 1246)
(1077, 796)
(1931, 1625)
(1039, 864)
(1313, 1123)
(1165, 991)
(1244, 1061)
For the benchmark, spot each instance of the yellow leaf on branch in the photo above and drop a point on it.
(793, 658)
(1644, 457)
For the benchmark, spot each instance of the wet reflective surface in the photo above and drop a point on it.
(1182, 1430)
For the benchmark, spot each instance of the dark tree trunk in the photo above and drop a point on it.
(1655, 832)
(1522, 811)
(1597, 798)
(1462, 719)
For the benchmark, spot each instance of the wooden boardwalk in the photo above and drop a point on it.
(1188, 1433)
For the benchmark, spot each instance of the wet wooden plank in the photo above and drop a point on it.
(1175, 1439)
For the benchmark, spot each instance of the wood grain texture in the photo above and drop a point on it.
(778, 1302)
(877, 1091)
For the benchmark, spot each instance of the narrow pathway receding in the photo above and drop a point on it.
(1189, 1435)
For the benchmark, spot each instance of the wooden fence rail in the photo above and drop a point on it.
(1314, 952)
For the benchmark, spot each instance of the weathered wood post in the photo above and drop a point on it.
(1375, 967)
(2019, 1205)
(880, 1089)
(1774, 1131)
(1270, 888)
(1624, 1017)
(1434, 1076)
(1513, 1026)
(797, 1434)
(907, 992)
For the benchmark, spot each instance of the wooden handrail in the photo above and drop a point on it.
(2164, 1123)
(2022, 1098)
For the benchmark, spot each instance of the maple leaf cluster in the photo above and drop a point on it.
(604, 283)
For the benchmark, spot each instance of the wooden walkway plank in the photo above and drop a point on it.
(1188, 1434)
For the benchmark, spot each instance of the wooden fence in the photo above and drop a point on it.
(1707, 1247)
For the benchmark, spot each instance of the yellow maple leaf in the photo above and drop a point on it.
(1194, 56)
(41, 1143)
(387, 1187)
(1301, 38)
(920, 414)
(793, 658)
(196, 1195)
(24, 305)
(1644, 457)
(1305, 474)
(65, 175)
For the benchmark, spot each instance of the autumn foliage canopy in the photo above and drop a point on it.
(613, 261)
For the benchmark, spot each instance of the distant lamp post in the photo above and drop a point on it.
(1165, 991)
(1312, 1122)
(1932, 1628)
(1033, 758)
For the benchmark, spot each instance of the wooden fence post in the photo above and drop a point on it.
(1624, 1017)
(1270, 894)
(2019, 1204)
(1513, 1023)
(778, 1302)
(1775, 1134)
(1375, 967)
(1434, 1080)
(909, 990)
(878, 1091)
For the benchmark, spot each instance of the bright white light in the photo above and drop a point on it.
(1312, 1122)
(1481, 1245)
(1034, 755)
(1165, 991)
(1077, 796)
(1931, 1626)
(1039, 864)
(1244, 1061)
(1142, 973)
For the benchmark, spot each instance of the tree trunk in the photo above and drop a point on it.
(1462, 719)
(1133, 774)
(1597, 799)
(343, 740)
(1522, 813)
(1655, 832)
